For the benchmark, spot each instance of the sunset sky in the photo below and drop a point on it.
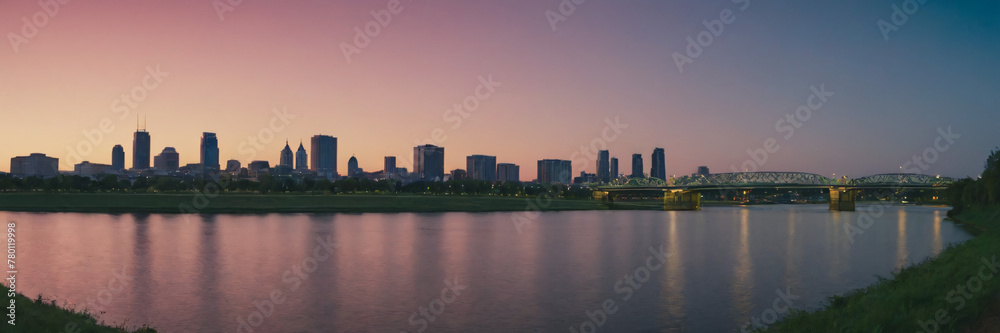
(608, 59)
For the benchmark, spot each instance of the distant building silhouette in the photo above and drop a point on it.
(140, 150)
(637, 166)
(389, 167)
(508, 172)
(614, 168)
(555, 171)
(87, 169)
(118, 157)
(301, 158)
(703, 171)
(459, 174)
(233, 166)
(209, 151)
(34, 165)
(481, 167)
(168, 160)
(352, 168)
(287, 158)
(603, 166)
(258, 168)
(659, 169)
(428, 162)
(323, 155)
(585, 178)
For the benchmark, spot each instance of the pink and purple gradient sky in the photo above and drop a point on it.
(607, 60)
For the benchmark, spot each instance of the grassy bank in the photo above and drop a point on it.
(278, 203)
(923, 296)
(40, 316)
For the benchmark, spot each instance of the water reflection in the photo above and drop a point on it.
(202, 273)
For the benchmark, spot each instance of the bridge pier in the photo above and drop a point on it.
(842, 200)
(681, 200)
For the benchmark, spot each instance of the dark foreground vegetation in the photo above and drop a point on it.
(37, 315)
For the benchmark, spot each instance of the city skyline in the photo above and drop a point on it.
(549, 87)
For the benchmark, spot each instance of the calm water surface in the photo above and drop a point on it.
(212, 273)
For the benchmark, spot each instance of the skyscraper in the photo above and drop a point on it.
(659, 169)
(555, 171)
(428, 162)
(637, 166)
(507, 172)
(614, 168)
(118, 158)
(301, 158)
(140, 150)
(603, 166)
(389, 168)
(287, 158)
(352, 168)
(209, 151)
(323, 161)
(481, 167)
(167, 160)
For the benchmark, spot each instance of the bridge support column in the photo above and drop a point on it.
(681, 200)
(842, 200)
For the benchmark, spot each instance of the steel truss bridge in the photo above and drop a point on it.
(682, 193)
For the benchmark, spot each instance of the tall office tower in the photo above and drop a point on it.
(703, 171)
(555, 171)
(603, 166)
(209, 151)
(287, 158)
(167, 160)
(428, 162)
(508, 172)
(301, 158)
(352, 168)
(390, 166)
(459, 174)
(140, 150)
(323, 151)
(118, 158)
(614, 168)
(481, 167)
(659, 169)
(637, 166)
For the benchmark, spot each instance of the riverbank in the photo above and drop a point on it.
(170, 203)
(954, 292)
(40, 316)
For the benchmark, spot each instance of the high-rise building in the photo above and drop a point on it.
(389, 168)
(323, 159)
(140, 150)
(258, 168)
(118, 157)
(301, 158)
(287, 158)
(167, 160)
(614, 168)
(209, 151)
(459, 174)
(637, 166)
(34, 165)
(703, 171)
(352, 168)
(481, 167)
(428, 162)
(603, 166)
(507, 172)
(555, 171)
(659, 169)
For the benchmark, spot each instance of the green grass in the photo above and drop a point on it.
(33, 316)
(915, 294)
(277, 203)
